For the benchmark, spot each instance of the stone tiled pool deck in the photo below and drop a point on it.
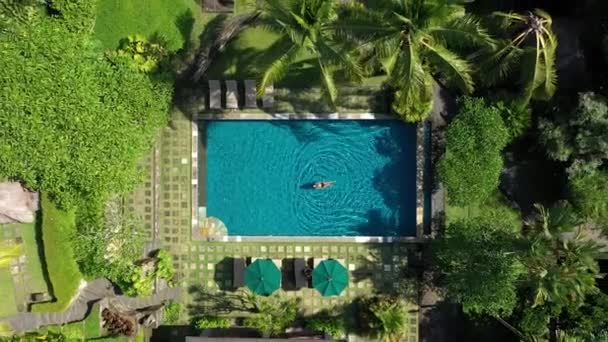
(373, 269)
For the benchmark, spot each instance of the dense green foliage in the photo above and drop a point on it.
(109, 240)
(589, 194)
(517, 119)
(385, 318)
(479, 265)
(139, 279)
(412, 41)
(212, 322)
(589, 320)
(472, 161)
(333, 325)
(58, 228)
(172, 313)
(579, 136)
(495, 208)
(271, 317)
(74, 123)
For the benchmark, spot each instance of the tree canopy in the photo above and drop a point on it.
(412, 41)
(479, 265)
(73, 122)
(578, 136)
(472, 162)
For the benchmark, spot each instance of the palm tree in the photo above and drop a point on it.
(304, 29)
(392, 319)
(561, 261)
(529, 45)
(8, 253)
(414, 41)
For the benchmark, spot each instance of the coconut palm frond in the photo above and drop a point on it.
(464, 32)
(330, 90)
(339, 60)
(278, 69)
(456, 70)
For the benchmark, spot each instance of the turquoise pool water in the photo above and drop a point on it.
(260, 176)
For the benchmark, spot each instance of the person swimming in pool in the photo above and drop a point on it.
(323, 184)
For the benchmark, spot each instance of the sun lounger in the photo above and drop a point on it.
(299, 265)
(215, 95)
(268, 98)
(232, 101)
(250, 96)
(238, 272)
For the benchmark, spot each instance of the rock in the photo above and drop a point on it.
(17, 204)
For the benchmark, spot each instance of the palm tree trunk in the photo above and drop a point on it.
(510, 327)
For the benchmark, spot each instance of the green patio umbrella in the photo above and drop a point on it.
(330, 278)
(263, 277)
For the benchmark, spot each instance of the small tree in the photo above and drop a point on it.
(472, 162)
(478, 265)
(388, 318)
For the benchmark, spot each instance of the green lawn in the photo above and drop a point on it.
(37, 283)
(175, 20)
(8, 307)
(57, 228)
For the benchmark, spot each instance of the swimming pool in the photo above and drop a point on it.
(260, 176)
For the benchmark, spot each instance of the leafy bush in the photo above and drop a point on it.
(164, 265)
(75, 124)
(589, 194)
(272, 317)
(58, 228)
(109, 240)
(172, 313)
(386, 317)
(333, 325)
(472, 162)
(579, 136)
(213, 322)
(139, 281)
(145, 55)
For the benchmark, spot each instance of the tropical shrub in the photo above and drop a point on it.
(333, 325)
(579, 136)
(213, 322)
(472, 162)
(488, 287)
(271, 317)
(139, 279)
(108, 241)
(75, 124)
(144, 54)
(412, 41)
(171, 313)
(388, 318)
